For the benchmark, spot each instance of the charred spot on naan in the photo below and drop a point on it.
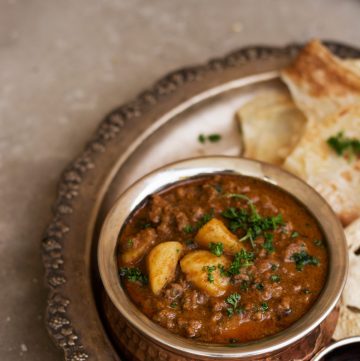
(320, 82)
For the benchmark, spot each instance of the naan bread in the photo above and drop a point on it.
(271, 126)
(351, 294)
(349, 320)
(336, 178)
(320, 83)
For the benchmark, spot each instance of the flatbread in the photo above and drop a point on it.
(349, 319)
(351, 294)
(271, 126)
(336, 178)
(320, 83)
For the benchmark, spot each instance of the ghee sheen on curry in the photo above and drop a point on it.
(222, 258)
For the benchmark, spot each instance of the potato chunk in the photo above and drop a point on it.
(139, 245)
(202, 270)
(161, 262)
(215, 231)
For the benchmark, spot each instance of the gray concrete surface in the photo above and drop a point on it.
(63, 65)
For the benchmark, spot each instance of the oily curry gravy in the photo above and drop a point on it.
(223, 259)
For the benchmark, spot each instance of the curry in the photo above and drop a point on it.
(222, 258)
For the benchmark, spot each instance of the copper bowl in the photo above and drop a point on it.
(152, 342)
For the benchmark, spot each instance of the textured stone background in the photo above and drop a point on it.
(64, 64)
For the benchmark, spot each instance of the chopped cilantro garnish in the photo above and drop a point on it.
(173, 304)
(222, 270)
(268, 244)
(133, 275)
(241, 259)
(245, 285)
(251, 221)
(344, 146)
(264, 306)
(233, 301)
(188, 229)
(130, 243)
(218, 188)
(274, 267)
(210, 270)
(294, 234)
(216, 248)
(201, 138)
(239, 196)
(212, 138)
(302, 259)
(230, 311)
(318, 242)
(306, 291)
(205, 218)
(275, 278)
(260, 287)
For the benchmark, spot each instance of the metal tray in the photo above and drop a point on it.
(161, 125)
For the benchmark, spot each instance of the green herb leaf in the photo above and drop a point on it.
(230, 311)
(204, 219)
(201, 138)
(260, 287)
(210, 270)
(213, 138)
(173, 304)
(251, 221)
(264, 307)
(222, 270)
(241, 259)
(294, 234)
(318, 242)
(216, 248)
(130, 243)
(188, 229)
(233, 300)
(302, 259)
(133, 274)
(238, 195)
(244, 286)
(218, 188)
(275, 278)
(344, 146)
(268, 244)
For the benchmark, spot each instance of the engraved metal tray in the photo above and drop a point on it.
(161, 125)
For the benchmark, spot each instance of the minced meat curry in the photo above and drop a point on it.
(223, 258)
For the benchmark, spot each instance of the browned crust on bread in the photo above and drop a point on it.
(322, 72)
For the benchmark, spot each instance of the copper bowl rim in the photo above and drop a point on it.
(171, 173)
